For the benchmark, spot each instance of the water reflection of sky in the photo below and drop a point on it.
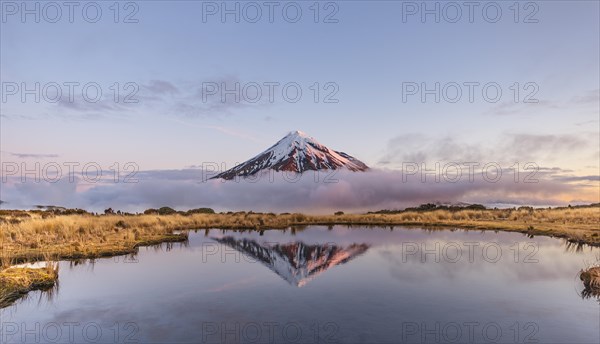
(187, 293)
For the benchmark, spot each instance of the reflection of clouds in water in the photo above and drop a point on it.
(234, 285)
(536, 260)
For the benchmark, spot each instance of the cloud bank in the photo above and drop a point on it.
(311, 192)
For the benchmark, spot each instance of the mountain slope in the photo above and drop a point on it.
(296, 152)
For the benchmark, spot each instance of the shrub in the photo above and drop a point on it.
(166, 211)
(200, 211)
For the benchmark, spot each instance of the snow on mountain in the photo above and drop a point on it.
(295, 262)
(296, 152)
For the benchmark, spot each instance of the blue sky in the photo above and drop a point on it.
(369, 53)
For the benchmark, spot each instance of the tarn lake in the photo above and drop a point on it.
(320, 284)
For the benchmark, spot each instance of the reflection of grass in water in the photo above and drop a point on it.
(590, 276)
(574, 247)
(45, 295)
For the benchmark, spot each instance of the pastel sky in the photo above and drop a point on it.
(361, 53)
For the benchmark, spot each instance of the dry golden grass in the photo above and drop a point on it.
(80, 236)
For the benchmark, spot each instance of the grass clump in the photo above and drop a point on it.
(16, 282)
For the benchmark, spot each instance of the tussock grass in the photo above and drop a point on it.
(17, 282)
(591, 282)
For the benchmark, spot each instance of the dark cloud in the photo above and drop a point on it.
(587, 123)
(532, 146)
(37, 117)
(578, 178)
(200, 98)
(160, 87)
(195, 99)
(591, 97)
(586, 99)
(214, 107)
(555, 170)
(512, 108)
(34, 156)
(104, 105)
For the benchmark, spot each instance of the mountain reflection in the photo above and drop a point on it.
(296, 262)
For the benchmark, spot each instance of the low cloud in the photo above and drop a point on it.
(343, 190)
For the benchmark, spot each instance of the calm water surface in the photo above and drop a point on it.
(321, 285)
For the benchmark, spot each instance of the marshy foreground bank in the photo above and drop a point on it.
(50, 235)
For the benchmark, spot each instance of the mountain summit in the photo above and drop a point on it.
(296, 152)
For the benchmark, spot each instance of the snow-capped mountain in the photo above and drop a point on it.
(296, 152)
(295, 262)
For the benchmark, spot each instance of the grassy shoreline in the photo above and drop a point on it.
(29, 236)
